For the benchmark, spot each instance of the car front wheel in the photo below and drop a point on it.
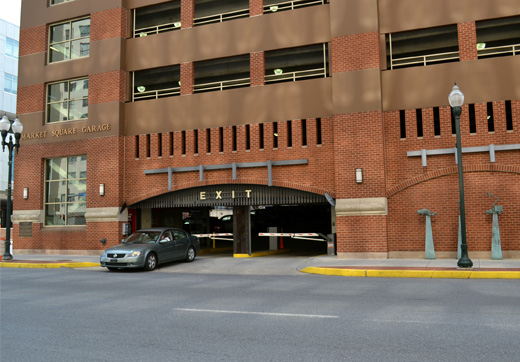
(190, 254)
(151, 262)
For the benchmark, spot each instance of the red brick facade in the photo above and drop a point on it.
(340, 137)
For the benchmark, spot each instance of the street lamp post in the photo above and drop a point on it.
(9, 128)
(456, 99)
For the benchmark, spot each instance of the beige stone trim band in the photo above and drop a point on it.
(27, 216)
(362, 207)
(105, 214)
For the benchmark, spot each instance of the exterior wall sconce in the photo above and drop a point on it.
(359, 175)
(101, 189)
(25, 193)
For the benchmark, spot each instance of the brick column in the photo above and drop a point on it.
(187, 13)
(467, 41)
(256, 7)
(187, 78)
(257, 71)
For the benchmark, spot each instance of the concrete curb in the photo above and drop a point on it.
(400, 273)
(6, 264)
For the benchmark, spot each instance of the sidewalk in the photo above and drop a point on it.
(324, 265)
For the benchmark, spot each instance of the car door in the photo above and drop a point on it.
(166, 251)
(181, 243)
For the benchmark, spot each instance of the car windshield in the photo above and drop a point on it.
(143, 237)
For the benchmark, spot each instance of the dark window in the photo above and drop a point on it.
(248, 137)
(196, 142)
(422, 47)
(418, 112)
(156, 83)
(293, 64)
(137, 146)
(159, 144)
(436, 121)
(221, 74)
(472, 119)
(402, 122)
(509, 116)
(318, 131)
(274, 6)
(234, 130)
(157, 18)
(453, 124)
(498, 37)
(148, 145)
(261, 135)
(221, 136)
(216, 11)
(289, 134)
(490, 119)
(304, 132)
(275, 135)
(171, 143)
(183, 142)
(208, 140)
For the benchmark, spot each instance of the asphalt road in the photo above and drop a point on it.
(96, 315)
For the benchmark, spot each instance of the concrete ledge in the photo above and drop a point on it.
(428, 274)
(362, 207)
(359, 256)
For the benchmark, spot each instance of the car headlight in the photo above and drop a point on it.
(104, 255)
(136, 253)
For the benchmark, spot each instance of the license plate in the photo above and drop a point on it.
(113, 260)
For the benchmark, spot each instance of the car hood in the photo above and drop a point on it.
(129, 247)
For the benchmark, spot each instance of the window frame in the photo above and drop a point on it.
(7, 80)
(50, 44)
(12, 47)
(65, 180)
(68, 100)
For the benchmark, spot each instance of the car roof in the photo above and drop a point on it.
(159, 229)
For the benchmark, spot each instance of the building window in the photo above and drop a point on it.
(498, 37)
(436, 121)
(318, 131)
(221, 139)
(184, 142)
(402, 123)
(208, 140)
(65, 191)
(171, 143)
(234, 134)
(472, 119)
(304, 132)
(418, 113)
(275, 135)
(67, 101)
(157, 18)
(490, 119)
(248, 137)
(289, 134)
(422, 47)
(11, 47)
(261, 136)
(156, 83)
(10, 83)
(159, 144)
(217, 11)
(273, 6)
(294, 64)
(509, 116)
(196, 142)
(69, 40)
(56, 2)
(220, 74)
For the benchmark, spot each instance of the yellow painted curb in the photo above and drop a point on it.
(428, 274)
(48, 265)
(262, 253)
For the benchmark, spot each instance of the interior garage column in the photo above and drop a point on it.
(241, 230)
(362, 223)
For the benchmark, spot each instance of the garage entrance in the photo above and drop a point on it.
(248, 210)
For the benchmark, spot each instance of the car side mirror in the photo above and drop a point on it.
(123, 241)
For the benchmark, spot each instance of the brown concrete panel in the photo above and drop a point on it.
(104, 120)
(105, 56)
(36, 12)
(400, 15)
(242, 36)
(353, 17)
(482, 80)
(276, 102)
(357, 91)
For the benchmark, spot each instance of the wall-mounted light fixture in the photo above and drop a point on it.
(25, 193)
(359, 175)
(101, 189)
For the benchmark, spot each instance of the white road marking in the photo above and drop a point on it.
(258, 313)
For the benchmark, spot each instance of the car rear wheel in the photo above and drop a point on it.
(190, 254)
(151, 262)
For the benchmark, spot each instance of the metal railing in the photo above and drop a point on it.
(513, 49)
(291, 5)
(219, 86)
(156, 29)
(423, 60)
(218, 18)
(293, 76)
(155, 94)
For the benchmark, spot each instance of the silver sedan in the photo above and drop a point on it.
(148, 248)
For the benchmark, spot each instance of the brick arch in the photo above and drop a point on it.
(450, 171)
(256, 181)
